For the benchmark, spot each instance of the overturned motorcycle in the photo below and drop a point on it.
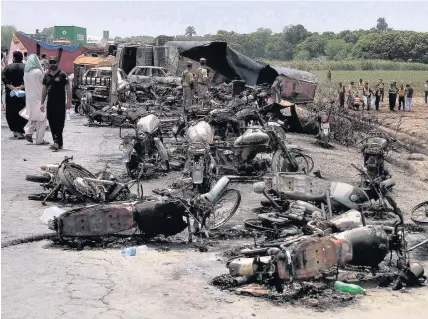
(167, 215)
(69, 181)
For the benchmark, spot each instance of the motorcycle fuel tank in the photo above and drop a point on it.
(252, 137)
(345, 195)
(148, 124)
(201, 132)
(369, 245)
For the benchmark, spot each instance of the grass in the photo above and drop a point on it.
(351, 65)
(415, 78)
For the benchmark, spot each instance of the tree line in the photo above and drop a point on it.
(295, 42)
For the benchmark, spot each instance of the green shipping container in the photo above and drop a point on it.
(76, 35)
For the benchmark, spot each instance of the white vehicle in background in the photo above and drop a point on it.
(144, 75)
(99, 78)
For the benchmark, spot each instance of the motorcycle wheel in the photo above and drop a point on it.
(280, 163)
(280, 133)
(68, 174)
(305, 161)
(256, 224)
(231, 199)
(325, 139)
(419, 214)
(81, 110)
(45, 178)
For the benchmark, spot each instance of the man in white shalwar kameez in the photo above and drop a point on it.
(33, 77)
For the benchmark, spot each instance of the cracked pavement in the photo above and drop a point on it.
(40, 280)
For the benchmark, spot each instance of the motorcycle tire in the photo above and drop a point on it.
(303, 160)
(45, 178)
(81, 110)
(256, 224)
(419, 214)
(277, 166)
(67, 175)
(210, 222)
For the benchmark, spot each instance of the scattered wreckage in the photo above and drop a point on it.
(303, 240)
(70, 182)
(166, 215)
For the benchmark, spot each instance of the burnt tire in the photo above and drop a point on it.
(419, 214)
(223, 218)
(44, 178)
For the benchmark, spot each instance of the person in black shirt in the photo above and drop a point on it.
(55, 85)
(13, 79)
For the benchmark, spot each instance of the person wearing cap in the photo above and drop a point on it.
(13, 79)
(55, 86)
(201, 80)
(187, 82)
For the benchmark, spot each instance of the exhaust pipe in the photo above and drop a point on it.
(214, 194)
(161, 148)
(386, 184)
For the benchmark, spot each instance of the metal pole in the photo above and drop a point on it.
(113, 85)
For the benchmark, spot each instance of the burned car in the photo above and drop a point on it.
(98, 80)
(144, 75)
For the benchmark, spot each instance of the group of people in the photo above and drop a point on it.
(44, 101)
(199, 81)
(363, 95)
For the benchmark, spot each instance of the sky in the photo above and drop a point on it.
(132, 18)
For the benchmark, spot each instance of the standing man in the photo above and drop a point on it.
(382, 88)
(187, 83)
(341, 92)
(202, 80)
(55, 85)
(25, 57)
(276, 89)
(377, 94)
(367, 92)
(392, 96)
(409, 97)
(426, 92)
(329, 76)
(13, 79)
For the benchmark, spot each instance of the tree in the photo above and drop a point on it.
(381, 24)
(50, 34)
(302, 55)
(295, 34)
(190, 31)
(7, 32)
(333, 47)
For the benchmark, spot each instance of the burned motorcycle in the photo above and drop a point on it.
(64, 181)
(200, 163)
(324, 127)
(145, 146)
(304, 257)
(166, 216)
(375, 151)
(241, 158)
(285, 191)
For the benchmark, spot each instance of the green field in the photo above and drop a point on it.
(415, 78)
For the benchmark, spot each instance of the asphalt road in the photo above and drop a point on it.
(40, 280)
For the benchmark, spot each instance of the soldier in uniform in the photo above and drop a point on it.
(276, 89)
(187, 82)
(202, 80)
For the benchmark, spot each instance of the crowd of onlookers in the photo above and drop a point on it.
(364, 96)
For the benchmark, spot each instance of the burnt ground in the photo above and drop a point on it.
(48, 279)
